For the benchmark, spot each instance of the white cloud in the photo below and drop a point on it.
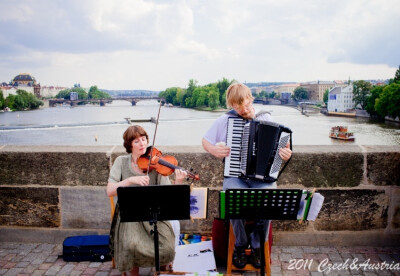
(157, 44)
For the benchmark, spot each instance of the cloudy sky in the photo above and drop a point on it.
(137, 44)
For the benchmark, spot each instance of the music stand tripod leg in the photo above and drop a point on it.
(263, 234)
(156, 252)
(261, 231)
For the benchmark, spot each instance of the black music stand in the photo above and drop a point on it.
(152, 204)
(261, 204)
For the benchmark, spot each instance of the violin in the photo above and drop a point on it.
(164, 165)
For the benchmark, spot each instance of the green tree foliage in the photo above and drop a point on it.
(65, 94)
(300, 93)
(209, 95)
(397, 76)
(199, 97)
(262, 94)
(388, 103)
(169, 95)
(213, 99)
(2, 100)
(361, 91)
(376, 91)
(24, 100)
(187, 97)
(222, 85)
(272, 95)
(10, 101)
(179, 96)
(95, 93)
(326, 96)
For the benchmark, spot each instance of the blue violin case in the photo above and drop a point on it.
(92, 248)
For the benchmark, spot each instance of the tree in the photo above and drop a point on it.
(202, 98)
(2, 100)
(326, 96)
(213, 99)
(361, 91)
(188, 95)
(300, 93)
(196, 101)
(191, 86)
(223, 101)
(24, 100)
(63, 94)
(397, 75)
(95, 93)
(66, 93)
(388, 103)
(222, 85)
(169, 94)
(376, 92)
(10, 101)
(179, 97)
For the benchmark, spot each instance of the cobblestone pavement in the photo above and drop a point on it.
(43, 259)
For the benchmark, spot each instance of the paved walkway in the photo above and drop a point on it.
(43, 259)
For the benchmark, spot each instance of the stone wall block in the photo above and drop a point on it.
(209, 168)
(49, 168)
(290, 225)
(85, 207)
(324, 169)
(352, 210)
(383, 168)
(29, 207)
(395, 217)
(114, 156)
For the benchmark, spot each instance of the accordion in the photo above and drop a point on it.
(255, 149)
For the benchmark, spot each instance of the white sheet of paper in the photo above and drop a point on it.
(315, 207)
(196, 257)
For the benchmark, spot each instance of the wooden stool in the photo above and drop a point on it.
(231, 247)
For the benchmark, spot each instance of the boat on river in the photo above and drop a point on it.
(341, 133)
(140, 120)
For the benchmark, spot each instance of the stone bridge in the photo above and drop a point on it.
(54, 102)
(135, 99)
(50, 192)
(102, 102)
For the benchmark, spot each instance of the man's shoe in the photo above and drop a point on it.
(239, 257)
(255, 257)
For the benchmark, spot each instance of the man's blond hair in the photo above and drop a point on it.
(236, 94)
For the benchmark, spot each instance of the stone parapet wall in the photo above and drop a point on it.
(59, 190)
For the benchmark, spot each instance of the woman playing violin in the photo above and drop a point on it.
(131, 242)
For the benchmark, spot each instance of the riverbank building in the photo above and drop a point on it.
(27, 82)
(341, 99)
(316, 89)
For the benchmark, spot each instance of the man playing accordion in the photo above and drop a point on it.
(239, 98)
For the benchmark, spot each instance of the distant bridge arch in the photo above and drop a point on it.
(102, 102)
(135, 99)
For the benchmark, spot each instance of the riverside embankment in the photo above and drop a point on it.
(50, 192)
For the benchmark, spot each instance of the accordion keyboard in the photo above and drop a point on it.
(234, 141)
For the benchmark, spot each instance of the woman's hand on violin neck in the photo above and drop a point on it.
(180, 176)
(142, 180)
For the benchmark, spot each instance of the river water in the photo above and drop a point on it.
(95, 125)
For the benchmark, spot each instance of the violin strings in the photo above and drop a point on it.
(154, 139)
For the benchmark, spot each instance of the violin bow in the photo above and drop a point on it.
(154, 139)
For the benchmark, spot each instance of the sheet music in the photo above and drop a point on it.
(315, 207)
